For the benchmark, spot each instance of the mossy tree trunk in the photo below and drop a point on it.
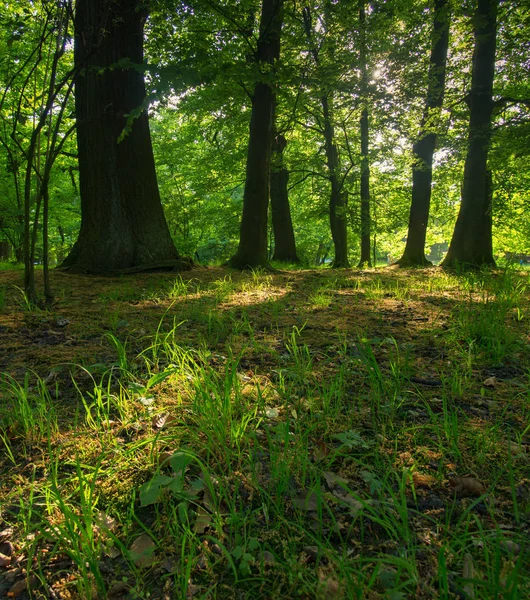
(253, 238)
(423, 149)
(366, 225)
(471, 244)
(122, 220)
(282, 223)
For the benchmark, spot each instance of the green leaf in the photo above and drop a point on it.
(150, 491)
(351, 439)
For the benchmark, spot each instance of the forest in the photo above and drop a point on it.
(264, 299)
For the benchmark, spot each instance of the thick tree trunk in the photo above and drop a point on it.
(282, 224)
(252, 250)
(122, 220)
(366, 227)
(471, 243)
(423, 149)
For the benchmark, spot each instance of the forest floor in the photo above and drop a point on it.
(302, 434)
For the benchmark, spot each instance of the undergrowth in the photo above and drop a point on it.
(250, 443)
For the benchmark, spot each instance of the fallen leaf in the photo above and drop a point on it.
(5, 561)
(271, 413)
(510, 547)
(321, 450)
(161, 421)
(142, 551)
(333, 480)
(267, 558)
(468, 572)
(352, 503)
(422, 480)
(328, 588)
(104, 522)
(22, 586)
(490, 382)
(119, 590)
(7, 548)
(467, 486)
(203, 521)
(309, 501)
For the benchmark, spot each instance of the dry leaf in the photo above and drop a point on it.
(490, 382)
(22, 586)
(353, 504)
(333, 480)
(161, 421)
(468, 572)
(306, 502)
(104, 522)
(321, 450)
(142, 551)
(119, 589)
(203, 521)
(510, 547)
(328, 588)
(422, 480)
(467, 486)
(5, 561)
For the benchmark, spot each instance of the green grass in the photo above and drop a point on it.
(244, 451)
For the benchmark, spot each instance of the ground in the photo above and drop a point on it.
(301, 434)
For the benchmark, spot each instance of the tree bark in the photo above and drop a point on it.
(122, 220)
(365, 259)
(252, 250)
(423, 149)
(471, 244)
(338, 199)
(282, 224)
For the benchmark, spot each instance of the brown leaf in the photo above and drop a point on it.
(422, 480)
(467, 486)
(119, 590)
(510, 547)
(321, 450)
(161, 421)
(5, 561)
(22, 586)
(468, 572)
(7, 548)
(353, 504)
(490, 382)
(308, 501)
(328, 588)
(142, 551)
(333, 480)
(104, 522)
(203, 521)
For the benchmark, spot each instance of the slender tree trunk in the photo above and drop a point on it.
(122, 220)
(338, 199)
(365, 259)
(472, 238)
(423, 149)
(252, 250)
(282, 224)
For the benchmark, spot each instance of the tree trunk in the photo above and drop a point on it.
(252, 250)
(365, 259)
(471, 244)
(423, 149)
(122, 220)
(282, 224)
(338, 199)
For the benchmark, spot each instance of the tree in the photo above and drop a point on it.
(122, 221)
(364, 126)
(471, 243)
(282, 223)
(338, 196)
(423, 149)
(252, 250)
